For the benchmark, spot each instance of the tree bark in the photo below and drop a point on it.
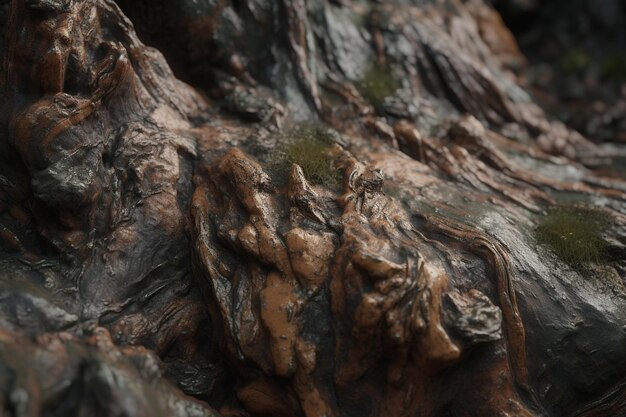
(156, 262)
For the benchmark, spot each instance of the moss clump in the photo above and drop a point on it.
(614, 68)
(377, 84)
(575, 60)
(308, 146)
(575, 235)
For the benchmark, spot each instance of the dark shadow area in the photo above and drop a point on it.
(576, 52)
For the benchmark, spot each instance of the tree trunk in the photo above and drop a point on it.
(335, 214)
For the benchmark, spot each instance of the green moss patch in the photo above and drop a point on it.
(614, 67)
(377, 84)
(575, 235)
(575, 60)
(309, 146)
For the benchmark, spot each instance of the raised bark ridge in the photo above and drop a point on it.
(136, 210)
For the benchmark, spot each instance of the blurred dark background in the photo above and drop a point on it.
(576, 51)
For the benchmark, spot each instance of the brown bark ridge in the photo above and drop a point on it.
(159, 258)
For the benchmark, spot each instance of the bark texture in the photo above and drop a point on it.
(156, 261)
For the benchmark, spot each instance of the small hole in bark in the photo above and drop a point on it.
(106, 159)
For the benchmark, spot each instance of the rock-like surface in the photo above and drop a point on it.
(151, 252)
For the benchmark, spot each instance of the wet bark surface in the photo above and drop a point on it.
(159, 257)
